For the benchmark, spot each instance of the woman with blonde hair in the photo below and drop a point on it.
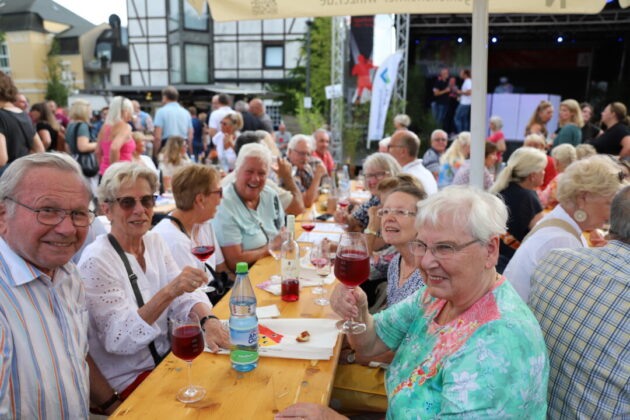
(114, 139)
(225, 139)
(538, 122)
(585, 150)
(570, 123)
(453, 158)
(585, 193)
(616, 139)
(172, 157)
(402, 122)
(517, 185)
(563, 156)
(78, 136)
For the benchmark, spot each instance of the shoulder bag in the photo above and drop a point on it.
(87, 160)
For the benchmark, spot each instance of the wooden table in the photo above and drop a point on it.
(274, 385)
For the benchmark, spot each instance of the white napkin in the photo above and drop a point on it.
(360, 195)
(323, 337)
(317, 237)
(270, 311)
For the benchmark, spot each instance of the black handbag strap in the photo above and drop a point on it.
(133, 279)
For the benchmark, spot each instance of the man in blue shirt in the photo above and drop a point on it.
(171, 120)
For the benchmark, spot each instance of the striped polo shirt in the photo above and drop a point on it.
(43, 341)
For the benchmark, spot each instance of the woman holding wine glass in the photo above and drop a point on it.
(187, 230)
(437, 333)
(132, 284)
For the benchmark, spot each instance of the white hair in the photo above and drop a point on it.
(116, 108)
(496, 121)
(438, 131)
(253, 150)
(564, 153)
(523, 162)
(481, 214)
(301, 138)
(382, 161)
(124, 173)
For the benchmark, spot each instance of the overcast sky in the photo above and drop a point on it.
(97, 11)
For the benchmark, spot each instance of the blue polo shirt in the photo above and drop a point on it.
(174, 120)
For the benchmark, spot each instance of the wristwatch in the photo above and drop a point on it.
(351, 357)
(115, 397)
(204, 319)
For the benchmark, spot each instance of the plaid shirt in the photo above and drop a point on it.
(581, 297)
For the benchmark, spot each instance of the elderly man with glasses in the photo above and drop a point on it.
(404, 147)
(44, 219)
(431, 158)
(308, 171)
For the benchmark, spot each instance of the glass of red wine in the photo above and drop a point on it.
(202, 247)
(321, 260)
(352, 267)
(187, 343)
(308, 223)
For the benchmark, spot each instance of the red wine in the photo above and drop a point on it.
(290, 290)
(319, 262)
(187, 342)
(203, 252)
(343, 203)
(308, 226)
(352, 267)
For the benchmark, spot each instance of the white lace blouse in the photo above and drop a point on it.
(118, 337)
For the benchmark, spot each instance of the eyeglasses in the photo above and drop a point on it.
(51, 216)
(303, 154)
(394, 212)
(440, 139)
(128, 203)
(419, 249)
(376, 175)
(391, 146)
(219, 191)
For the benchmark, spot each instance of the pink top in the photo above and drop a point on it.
(494, 138)
(327, 159)
(126, 151)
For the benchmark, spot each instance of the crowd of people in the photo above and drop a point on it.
(502, 301)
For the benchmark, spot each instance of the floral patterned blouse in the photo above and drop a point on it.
(397, 293)
(489, 363)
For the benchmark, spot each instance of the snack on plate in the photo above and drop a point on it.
(303, 337)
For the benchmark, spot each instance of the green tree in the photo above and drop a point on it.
(56, 90)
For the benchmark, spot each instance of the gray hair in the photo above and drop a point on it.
(565, 154)
(383, 161)
(402, 119)
(596, 175)
(482, 214)
(253, 150)
(523, 162)
(300, 138)
(241, 106)
(439, 131)
(320, 131)
(16, 172)
(620, 215)
(496, 121)
(121, 173)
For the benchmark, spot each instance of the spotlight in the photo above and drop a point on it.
(620, 39)
(494, 39)
(460, 40)
(417, 41)
(560, 39)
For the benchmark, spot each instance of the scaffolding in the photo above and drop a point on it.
(402, 44)
(338, 64)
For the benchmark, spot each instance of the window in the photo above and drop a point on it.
(273, 56)
(4, 58)
(192, 20)
(196, 63)
(176, 64)
(173, 15)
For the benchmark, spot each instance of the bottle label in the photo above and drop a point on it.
(243, 357)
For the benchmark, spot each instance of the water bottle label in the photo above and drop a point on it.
(243, 357)
(246, 337)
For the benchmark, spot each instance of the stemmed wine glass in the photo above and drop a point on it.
(202, 247)
(308, 223)
(187, 343)
(321, 260)
(352, 267)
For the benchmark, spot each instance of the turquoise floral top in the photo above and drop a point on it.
(489, 363)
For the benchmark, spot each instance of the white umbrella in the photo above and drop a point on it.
(229, 10)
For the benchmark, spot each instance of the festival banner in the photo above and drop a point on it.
(382, 88)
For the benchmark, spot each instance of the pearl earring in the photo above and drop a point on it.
(580, 216)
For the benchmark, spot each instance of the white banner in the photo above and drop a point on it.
(226, 10)
(382, 88)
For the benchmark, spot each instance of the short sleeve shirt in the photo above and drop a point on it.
(14, 126)
(236, 224)
(441, 85)
(490, 362)
(174, 120)
(83, 130)
(610, 141)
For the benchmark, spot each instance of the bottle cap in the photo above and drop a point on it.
(241, 268)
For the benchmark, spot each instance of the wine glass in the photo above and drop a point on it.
(321, 261)
(202, 247)
(352, 267)
(187, 343)
(308, 223)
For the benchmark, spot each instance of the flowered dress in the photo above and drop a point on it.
(489, 363)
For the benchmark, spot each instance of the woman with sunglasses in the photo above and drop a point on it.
(466, 344)
(197, 194)
(585, 193)
(129, 338)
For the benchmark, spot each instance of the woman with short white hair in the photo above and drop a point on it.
(402, 122)
(585, 193)
(453, 158)
(496, 136)
(517, 185)
(250, 215)
(563, 155)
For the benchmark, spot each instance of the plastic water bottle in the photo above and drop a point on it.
(243, 323)
(290, 264)
(344, 182)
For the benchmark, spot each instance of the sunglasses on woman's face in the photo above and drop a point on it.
(128, 203)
